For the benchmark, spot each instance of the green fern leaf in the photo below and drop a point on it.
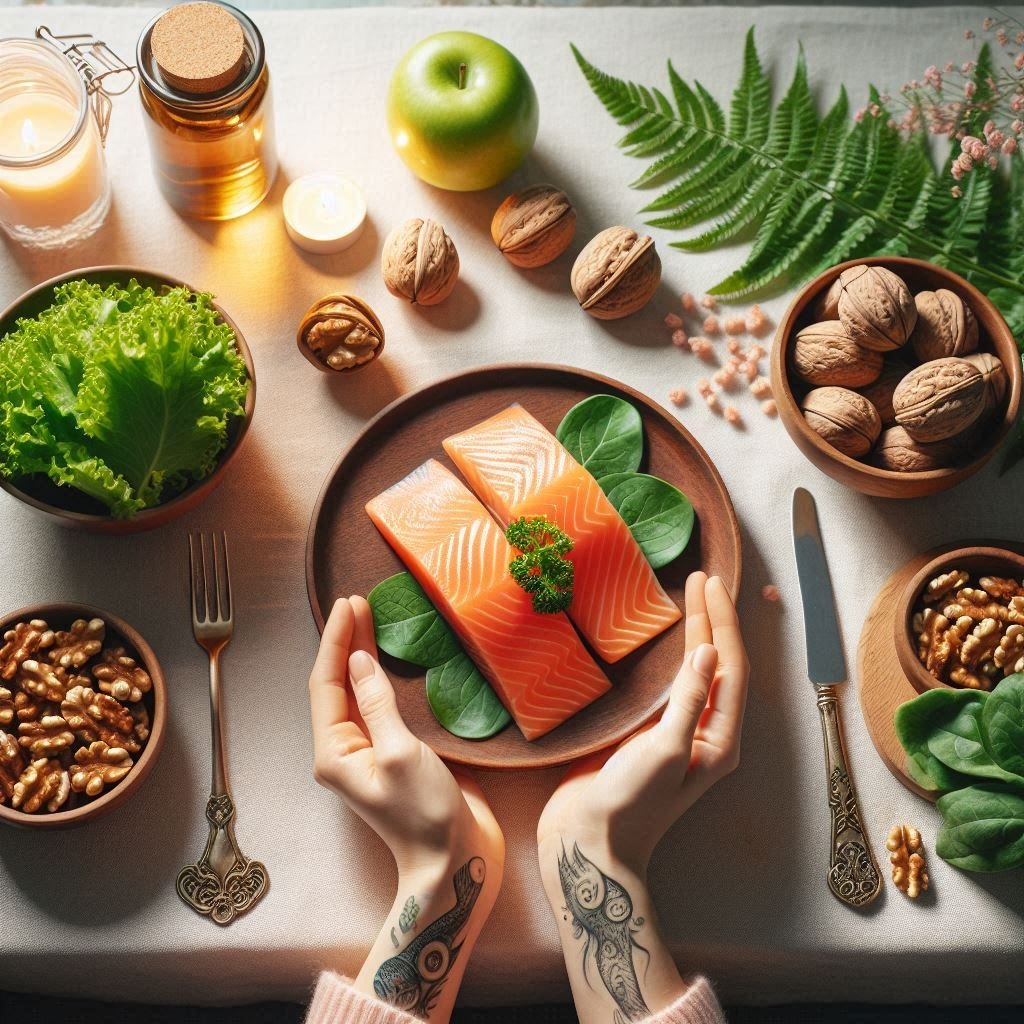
(813, 190)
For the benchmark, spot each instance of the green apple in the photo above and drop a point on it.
(462, 111)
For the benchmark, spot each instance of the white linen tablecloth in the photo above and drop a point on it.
(740, 881)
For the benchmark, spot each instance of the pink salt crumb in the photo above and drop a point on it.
(702, 347)
(761, 387)
(711, 326)
(750, 371)
(678, 396)
(735, 325)
(771, 593)
(758, 323)
(712, 402)
(679, 339)
(689, 303)
(709, 302)
(755, 352)
(704, 387)
(769, 407)
(673, 321)
(734, 346)
(726, 378)
(732, 414)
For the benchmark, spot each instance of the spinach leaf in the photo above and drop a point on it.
(915, 723)
(1002, 723)
(463, 701)
(959, 744)
(659, 515)
(604, 434)
(982, 828)
(407, 624)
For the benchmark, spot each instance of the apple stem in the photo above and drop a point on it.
(462, 76)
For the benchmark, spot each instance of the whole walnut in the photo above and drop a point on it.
(898, 451)
(876, 307)
(616, 274)
(939, 399)
(994, 373)
(843, 418)
(824, 353)
(945, 326)
(827, 305)
(880, 392)
(533, 227)
(419, 262)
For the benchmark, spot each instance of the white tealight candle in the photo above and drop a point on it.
(324, 212)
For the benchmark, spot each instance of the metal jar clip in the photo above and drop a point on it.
(106, 75)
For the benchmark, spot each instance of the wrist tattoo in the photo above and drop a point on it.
(406, 919)
(412, 980)
(602, 913)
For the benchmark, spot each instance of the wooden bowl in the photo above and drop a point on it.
(994, 335)
(71, 508)
(978, 561)
(60, 616)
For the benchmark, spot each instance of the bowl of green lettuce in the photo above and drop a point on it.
(124, 396)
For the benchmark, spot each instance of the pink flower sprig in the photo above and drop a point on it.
(947, 101)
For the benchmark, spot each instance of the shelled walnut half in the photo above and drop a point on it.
(906, 854)
(340, 333)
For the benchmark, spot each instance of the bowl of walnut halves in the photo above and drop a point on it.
(895, 376)
(82, 714)
(960, 620)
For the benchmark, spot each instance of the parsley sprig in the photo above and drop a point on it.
(542, 569)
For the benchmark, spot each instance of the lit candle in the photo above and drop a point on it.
(53, 177)
(324, 212)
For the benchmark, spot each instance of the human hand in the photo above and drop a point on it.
(448, 847)
(621, 802)
(599, 829)
(390, 778)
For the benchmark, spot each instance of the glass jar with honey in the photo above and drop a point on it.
(205, 89)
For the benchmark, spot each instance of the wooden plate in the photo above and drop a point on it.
(346, 555)
(883, 684)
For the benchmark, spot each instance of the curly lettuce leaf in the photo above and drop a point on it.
(121, 393)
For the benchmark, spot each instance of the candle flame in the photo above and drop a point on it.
(29, 136)
(328, 202)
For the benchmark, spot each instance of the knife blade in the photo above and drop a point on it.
(853, 875)
(826, 662)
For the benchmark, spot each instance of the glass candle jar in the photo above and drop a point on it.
(213, 151)
(54, 186)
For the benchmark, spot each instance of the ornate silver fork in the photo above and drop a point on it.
(223, 883)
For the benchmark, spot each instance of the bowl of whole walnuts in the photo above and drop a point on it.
(895, 376)
(960, 620)
(82, 714)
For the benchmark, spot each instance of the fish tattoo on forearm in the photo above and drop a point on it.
(412, 979)
(601, 911)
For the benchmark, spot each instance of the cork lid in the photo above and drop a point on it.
(198, 47)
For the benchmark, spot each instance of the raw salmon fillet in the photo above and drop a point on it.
(536, 663)
(518, 468)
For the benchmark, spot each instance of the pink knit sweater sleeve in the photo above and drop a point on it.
(337, 1002)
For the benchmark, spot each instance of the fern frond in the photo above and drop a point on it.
(812, 190)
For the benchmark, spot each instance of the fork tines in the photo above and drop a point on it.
(211, 578)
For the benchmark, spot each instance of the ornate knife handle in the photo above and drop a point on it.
(853, 874)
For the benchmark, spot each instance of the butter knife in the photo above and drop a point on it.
(853, 873)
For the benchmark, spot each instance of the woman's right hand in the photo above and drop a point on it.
(599, 829)
(626, 799)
